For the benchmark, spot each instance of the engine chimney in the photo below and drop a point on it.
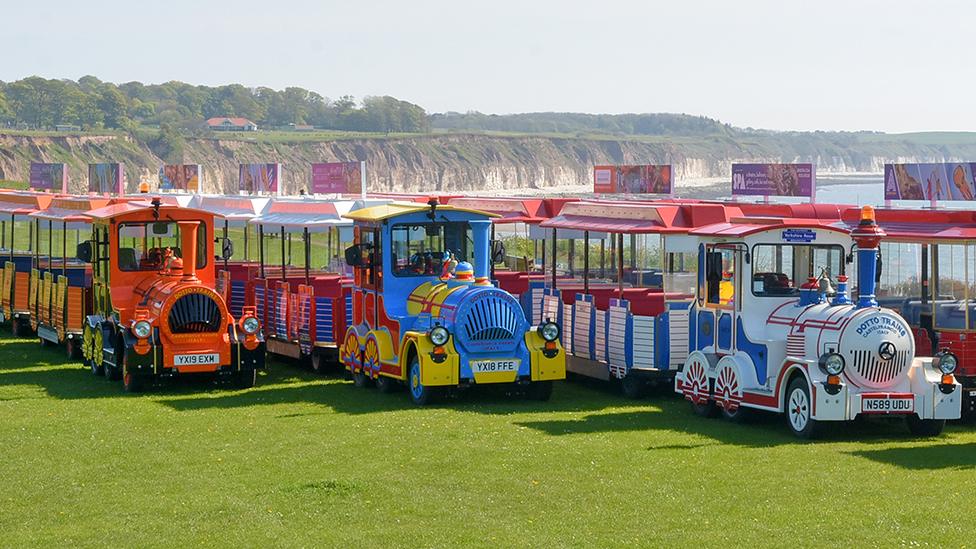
(188, 241)
(868, 236)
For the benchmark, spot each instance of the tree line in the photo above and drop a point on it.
(567, 122)
(91, 104)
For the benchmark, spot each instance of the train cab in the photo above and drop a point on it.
(773, 327)
(426, 314)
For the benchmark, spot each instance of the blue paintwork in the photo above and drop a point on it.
(725, 331)
(866, 271)
(323, 320)
(705, 317)
(662, 341)
(756, 351)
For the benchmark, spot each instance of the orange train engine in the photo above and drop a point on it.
(156, 313)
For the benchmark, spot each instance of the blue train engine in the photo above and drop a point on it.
(773, 328)
(426, 313)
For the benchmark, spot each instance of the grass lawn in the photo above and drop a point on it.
(312, 461)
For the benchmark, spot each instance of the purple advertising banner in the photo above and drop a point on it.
(933, 181)
(106, 179)
(773, 179)
(48, 177)
(336, 178)
(259, 178)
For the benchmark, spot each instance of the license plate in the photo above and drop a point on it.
(495, 365)
(194, 360)
(896, 405)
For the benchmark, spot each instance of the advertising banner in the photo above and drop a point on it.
(106, 179)
(48, 177)
(259, 178)
(633, 179)
(937, 181)
(336, 178)
(180, 177)
(773, 180)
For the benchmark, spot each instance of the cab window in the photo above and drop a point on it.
(421, 249)
(781, 269)
(145, 246)
(720, 275)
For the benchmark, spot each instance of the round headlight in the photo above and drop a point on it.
(948, 363)
(142, 329)
(832, 363)
(250, 325)
(549, 331)
(439, 335)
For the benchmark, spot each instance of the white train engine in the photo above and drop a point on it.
(760, 340)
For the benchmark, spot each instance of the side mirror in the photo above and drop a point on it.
(354, 255)
(226, 248)
(432, 230)
(84, 251)
(878, 263)
(497, 251)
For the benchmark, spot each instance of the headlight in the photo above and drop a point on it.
(832, 364)
(439, 335)
(142, 329)
(250, 325)
(948, 363)
(549, 331)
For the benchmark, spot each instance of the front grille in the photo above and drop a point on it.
(491, 318)
(194, 314)
(878, 373)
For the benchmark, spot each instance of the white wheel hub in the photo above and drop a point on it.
(798, 409)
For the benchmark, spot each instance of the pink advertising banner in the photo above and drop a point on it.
(259, 178)
(336, 178)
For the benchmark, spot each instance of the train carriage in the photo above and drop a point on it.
(60, 283)
(426, 314)
(768, 330)
(16, 240)
(301, 288)
(620, 280)
(155, 312)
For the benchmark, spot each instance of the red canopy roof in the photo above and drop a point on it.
(745, 226)
(637, 217)
(920, 224)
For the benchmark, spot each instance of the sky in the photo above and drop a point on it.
(893, 66)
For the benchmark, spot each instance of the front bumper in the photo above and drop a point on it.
(845, 404)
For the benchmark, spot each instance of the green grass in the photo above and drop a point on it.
(302, 460)
(9, 184)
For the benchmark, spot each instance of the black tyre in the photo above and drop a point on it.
(633, 386)
(739, 415)
(20, 327)
(420, 394)
(134, 383)
(539, 390)
(72, 348)
(359, 379)
(246, 378)
(317, 362)
(925, 427)
(799, 410)
(386, 384)
(709, 409)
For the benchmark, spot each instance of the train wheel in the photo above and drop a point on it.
(246, 378)
(133, 383)
(925, 427)
(633, 386)
(707, 409)
(799, 410)
(539, 390)
(20, 327)
(386, 384)
(72, 349)
(318, 362)
(420, 394)
(360, 379)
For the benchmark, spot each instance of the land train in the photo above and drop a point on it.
(154, 312)
(773, 328)
(426, 314)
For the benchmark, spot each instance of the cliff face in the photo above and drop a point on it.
(458, 162)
